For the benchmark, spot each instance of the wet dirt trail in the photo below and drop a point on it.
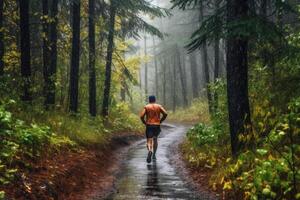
(157, 180)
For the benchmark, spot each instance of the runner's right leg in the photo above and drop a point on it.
(150, 149)
(155, 145)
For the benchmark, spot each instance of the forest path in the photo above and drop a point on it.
(157, 180)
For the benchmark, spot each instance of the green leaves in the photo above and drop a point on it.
(203, 134)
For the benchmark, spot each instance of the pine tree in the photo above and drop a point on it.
(75, 56)
(53, 54)
(46, 52)
(110, 46)
(25, 49)
(92, 56)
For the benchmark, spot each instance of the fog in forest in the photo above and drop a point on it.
(169, 70)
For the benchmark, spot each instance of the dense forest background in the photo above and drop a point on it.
(74, 72)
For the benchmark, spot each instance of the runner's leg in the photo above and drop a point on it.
(150, 144)
(155, 145)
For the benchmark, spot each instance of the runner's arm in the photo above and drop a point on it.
(165, 114)
(142, 116)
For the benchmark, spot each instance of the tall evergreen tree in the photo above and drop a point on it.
(25, 50)
(194, 75)
(146, 66)
(75, 56)
(92, 56)
(110, 46)
(46, 46)
(53, 54)
(237, 76)
(205, 63)
(155, 67)
(182, 76)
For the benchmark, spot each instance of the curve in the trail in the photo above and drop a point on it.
(158, 180)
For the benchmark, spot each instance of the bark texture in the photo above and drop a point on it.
(237, 77)
(75, 57)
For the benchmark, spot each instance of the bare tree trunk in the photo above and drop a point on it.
(53, 53)
(25, 50)
(182, 77)
(146, 66)
(174, 85)
(110, 46)
(156, 70)
(1, 39)
(92, 58)
(164, 67)
(217, 59)
(46, 52)
(75, 57)
(205, 65)
(237, 77)
(194, 75)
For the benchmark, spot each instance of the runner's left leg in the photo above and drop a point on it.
(150, 144)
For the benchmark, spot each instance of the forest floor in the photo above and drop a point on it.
(95, 172)
(73, 174)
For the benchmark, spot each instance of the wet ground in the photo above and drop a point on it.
(157, 180)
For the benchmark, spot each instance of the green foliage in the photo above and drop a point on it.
(203, 134)
(208, 142)
(272, 170)
(20, 142)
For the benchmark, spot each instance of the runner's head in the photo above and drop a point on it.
(152, 99)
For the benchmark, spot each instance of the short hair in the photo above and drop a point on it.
(152, 99)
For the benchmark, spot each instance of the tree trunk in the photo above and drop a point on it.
(46, 53)
(237, 77)
(194, 75)
(182, 77)
(217, 59)
(109, 60)
(156, 70)
(92, 56)
(174, 85)
(25, 50)
(75, 57)
(205, 65)
(163, 65)
(53, 53)
(216, 69)
(146, 66)
(1, 39)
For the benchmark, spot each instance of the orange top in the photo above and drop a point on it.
(152, 112)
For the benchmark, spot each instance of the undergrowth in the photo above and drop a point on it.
(269, 168)
(27, 136)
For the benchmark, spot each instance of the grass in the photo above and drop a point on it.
(195, 113)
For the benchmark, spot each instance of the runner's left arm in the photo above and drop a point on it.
(165, 114)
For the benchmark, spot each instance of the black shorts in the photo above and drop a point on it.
(152, 131)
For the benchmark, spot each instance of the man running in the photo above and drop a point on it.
(152, 112)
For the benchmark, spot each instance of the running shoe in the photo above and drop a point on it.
(149, 157)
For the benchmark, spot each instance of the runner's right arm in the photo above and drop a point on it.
(142, 116)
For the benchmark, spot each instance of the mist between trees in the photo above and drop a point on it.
(172, 72)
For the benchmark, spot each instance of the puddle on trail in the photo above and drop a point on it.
(157, 180)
